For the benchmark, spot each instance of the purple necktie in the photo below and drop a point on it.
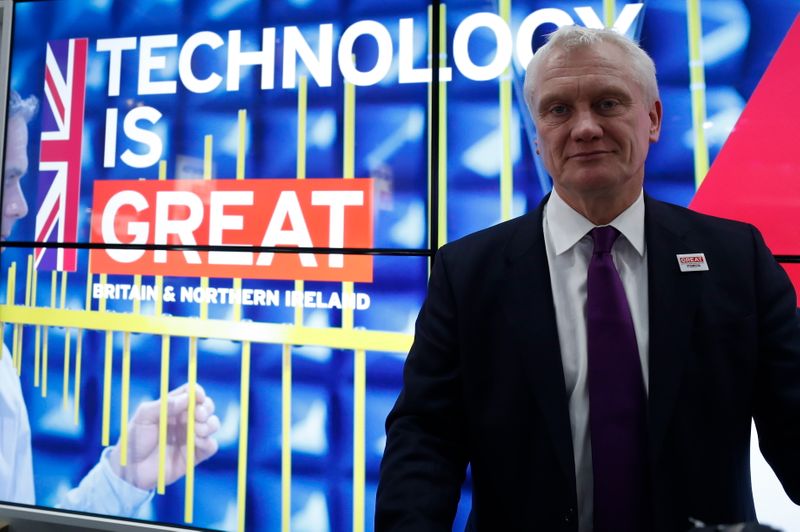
(617, 400)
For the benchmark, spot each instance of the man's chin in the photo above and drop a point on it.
(600, 180)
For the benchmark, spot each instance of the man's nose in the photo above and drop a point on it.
(586, 126)
(15, 205)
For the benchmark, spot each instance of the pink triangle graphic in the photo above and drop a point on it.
(756, 176)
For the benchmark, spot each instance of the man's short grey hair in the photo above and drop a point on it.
(24, 108)
(567, 38)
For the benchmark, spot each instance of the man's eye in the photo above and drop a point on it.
(607, 104)
(558, 110)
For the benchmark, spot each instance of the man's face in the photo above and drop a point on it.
(14, 205)
(594, 123)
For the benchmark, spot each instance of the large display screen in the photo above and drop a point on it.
(167, 138)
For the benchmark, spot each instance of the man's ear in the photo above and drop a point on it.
(655, 120)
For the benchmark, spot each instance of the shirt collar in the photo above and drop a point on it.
(567, 226)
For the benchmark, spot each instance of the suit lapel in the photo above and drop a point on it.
(530, 315)
(673, 299)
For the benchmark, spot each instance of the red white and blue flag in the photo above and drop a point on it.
(60, 154)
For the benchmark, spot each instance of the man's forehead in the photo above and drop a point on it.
(571, 80)
(591, 68)
(602, 58)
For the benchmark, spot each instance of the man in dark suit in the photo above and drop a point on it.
(598, 361)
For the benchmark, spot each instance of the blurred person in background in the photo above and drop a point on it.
(108, 488)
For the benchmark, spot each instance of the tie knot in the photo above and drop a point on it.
(604, 238)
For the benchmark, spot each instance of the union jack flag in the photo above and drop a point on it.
(60, 154)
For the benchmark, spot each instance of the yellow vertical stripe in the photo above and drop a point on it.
(79, 341)
(609, 12)
(37, 355)
(162, 418)
(244, 385)
(697, 87)
(429, 116)
(302, 117)
(126, 379)
(88, 301)
(208, 157)
(137, 303)
(237, 307)
(37, 344)
(347, 310)
(188, 511)
(77, 391)
(10, 300)
(244, 421)
(506, 167)
(65, 392)
(125, 398)
(106, 428)
(349, 138)
(347, 287)
(28, 281)
(11, 284)
(204, 303)
(240, 159)
(18, 329)
(299, 286)
(442, 142)
(286, 438)
(158, 309)
(63, 304)
(18, 345)
(15, 347)
(18, 348)
(348, 172)
(359, 428)
(208, 160)
(101, 303)
(240, 151)
(45, 340)
(302, 126)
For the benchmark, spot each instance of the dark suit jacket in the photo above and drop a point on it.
(484, 385)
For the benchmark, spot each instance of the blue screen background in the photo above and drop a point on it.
(739, 39)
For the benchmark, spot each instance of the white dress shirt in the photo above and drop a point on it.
(101, 491)
(569, 249)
